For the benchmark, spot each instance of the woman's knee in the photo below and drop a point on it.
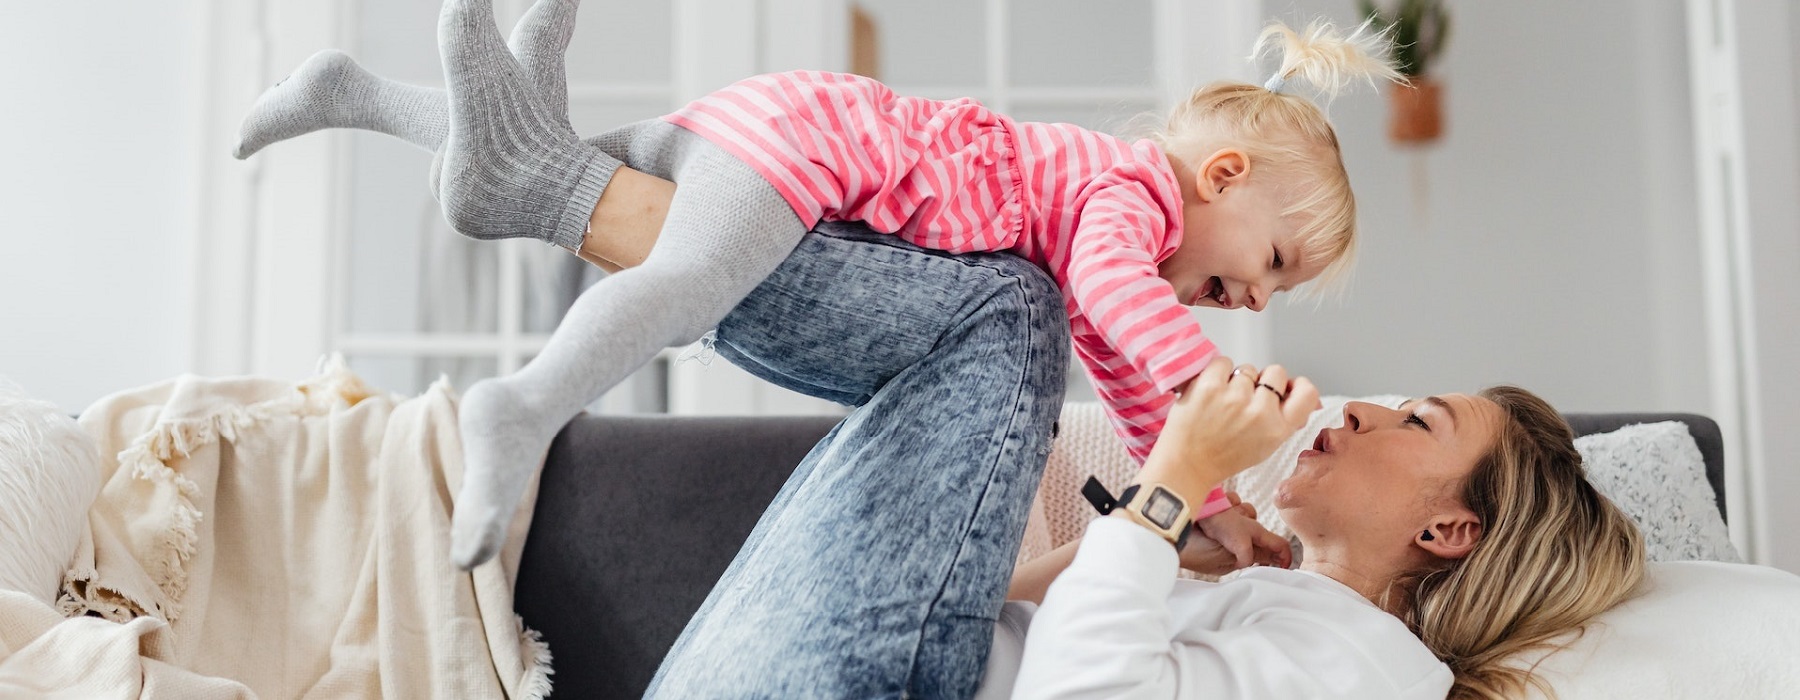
(1026, 300)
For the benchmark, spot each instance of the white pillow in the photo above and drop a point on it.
(1698, 630)
(49, 475)
(1654, 472)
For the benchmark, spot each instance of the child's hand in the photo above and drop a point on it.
(1232, 540)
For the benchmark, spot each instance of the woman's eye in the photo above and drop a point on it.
(1276, 265)
(1414, 418)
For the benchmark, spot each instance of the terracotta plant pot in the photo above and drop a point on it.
(1418, 112)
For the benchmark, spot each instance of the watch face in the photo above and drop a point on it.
(1162, 508)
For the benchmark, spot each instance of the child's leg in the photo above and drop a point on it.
(727, 229)
(330, 90)
(539, 41)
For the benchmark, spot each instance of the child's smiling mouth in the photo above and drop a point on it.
(1213, 288)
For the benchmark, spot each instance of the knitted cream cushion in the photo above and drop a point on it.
(49, 475)
(1654, 472)
(1086, 446)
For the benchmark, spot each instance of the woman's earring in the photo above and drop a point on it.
(1427, 536)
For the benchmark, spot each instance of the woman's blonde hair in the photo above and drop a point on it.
(1553, 553)
(1285, 135)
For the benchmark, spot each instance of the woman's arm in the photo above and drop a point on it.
(1032, 579)
(1104, 628)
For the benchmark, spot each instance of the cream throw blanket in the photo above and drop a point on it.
(258, 538)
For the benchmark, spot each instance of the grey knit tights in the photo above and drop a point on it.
(727, 228)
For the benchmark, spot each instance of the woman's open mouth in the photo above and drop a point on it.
(1321, 445)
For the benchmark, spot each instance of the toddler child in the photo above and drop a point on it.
(1239, 196)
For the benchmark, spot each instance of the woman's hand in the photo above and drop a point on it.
(1232, 539)
(1224, 421)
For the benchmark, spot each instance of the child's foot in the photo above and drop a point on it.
(512, 167)
(540, 41)
(504, 441)
(329, 90)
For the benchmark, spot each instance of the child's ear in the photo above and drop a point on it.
(1220, 171)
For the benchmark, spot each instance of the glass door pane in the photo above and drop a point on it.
(1081, 43)
(623, 41)
(406, 271)
(931, 43)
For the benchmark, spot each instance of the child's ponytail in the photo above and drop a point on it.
(1286, 136)
(1324, 58)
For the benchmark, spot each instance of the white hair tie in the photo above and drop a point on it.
(1275, 83)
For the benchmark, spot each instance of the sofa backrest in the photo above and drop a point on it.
(637, 517)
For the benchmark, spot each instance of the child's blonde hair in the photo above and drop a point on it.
(1285, 135)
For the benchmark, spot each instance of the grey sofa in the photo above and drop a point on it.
(614, 565)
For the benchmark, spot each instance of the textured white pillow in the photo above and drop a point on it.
(49, 475)
(1654, 472)
(1697, 630)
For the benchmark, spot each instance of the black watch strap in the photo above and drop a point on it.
(1096, 493)
(1129, 493)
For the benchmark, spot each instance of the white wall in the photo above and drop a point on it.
(1552, 239)
(1769, 90)
(97, 182)
(1548, 240)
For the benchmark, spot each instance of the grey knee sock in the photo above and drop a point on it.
(727, 229)
(540, 41)
(329, 90)
(512, 168)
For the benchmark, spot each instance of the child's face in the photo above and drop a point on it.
(1237, 250)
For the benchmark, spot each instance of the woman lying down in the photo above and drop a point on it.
(1440, 539)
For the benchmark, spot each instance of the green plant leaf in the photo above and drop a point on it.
(1416, 28)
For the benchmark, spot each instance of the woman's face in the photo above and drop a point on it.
(1387, 474)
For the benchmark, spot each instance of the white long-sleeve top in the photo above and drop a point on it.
(1119, 624)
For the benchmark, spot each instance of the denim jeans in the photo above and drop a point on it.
(881, 566)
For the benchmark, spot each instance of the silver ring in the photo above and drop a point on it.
(1278, 395)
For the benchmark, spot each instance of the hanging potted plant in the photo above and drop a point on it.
(1418, 29)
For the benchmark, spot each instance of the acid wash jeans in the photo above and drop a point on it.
(880, 567)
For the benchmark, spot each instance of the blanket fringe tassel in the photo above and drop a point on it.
(536, 653)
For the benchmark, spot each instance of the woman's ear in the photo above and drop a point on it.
(1451, 535)
(1225, 168)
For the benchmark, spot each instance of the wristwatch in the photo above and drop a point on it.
(1161, 510)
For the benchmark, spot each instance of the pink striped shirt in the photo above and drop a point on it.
(1097, 212)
